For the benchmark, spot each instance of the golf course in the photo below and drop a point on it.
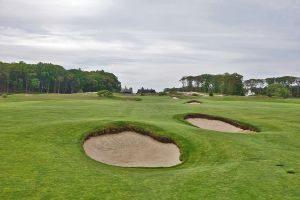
(42, 150)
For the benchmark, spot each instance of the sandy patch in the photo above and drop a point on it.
(193, 103)
(192, 93)
(175, 98)
(215, 125)
(131, 149)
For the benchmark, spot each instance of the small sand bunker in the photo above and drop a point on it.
(216, 125)
(131, 149)
(175, 98)
(193, 102)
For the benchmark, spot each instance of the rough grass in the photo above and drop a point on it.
(42, 157)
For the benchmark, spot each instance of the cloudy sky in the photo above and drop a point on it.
(154, 43)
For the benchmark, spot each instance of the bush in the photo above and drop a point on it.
(142, 94)
(277, 90)
(135, 99)
(105, 93)
(211, 94)
(4, 95)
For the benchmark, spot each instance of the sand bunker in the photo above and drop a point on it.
(193, 102)
(131, 149)
(216, 125)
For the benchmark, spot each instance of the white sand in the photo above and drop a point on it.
(131, 149)
(215, 125)
(194, 103)
(192, 93)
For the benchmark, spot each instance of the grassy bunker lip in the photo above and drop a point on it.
(193, 102)
(124, 144)
(241, 125)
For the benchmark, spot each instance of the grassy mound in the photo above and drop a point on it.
(121, 126)
(193, 101)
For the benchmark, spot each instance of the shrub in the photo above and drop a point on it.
(211, 94)
(4, 95)
(137, 99)
(105, 93)
(277, 90)
(142, 94)
(128, 98)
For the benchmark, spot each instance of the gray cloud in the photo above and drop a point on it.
(154, 43)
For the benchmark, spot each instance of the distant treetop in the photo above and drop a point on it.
(146, 91)
(51, 78)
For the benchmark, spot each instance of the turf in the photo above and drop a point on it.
(42, 157)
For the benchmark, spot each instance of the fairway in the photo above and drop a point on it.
(42, 155)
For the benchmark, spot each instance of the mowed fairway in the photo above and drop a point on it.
(42, 155)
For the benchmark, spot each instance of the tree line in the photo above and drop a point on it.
(146, 91)
(233, 84)
(260, 86)
(230, 84)
(50, 78)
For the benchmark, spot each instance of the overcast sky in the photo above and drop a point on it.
(153, 43)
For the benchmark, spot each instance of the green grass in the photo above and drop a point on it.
(42, 158)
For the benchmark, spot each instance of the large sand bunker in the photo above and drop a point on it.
(131, 149)
(217, 124)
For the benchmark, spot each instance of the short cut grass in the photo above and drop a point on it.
(42, 157)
